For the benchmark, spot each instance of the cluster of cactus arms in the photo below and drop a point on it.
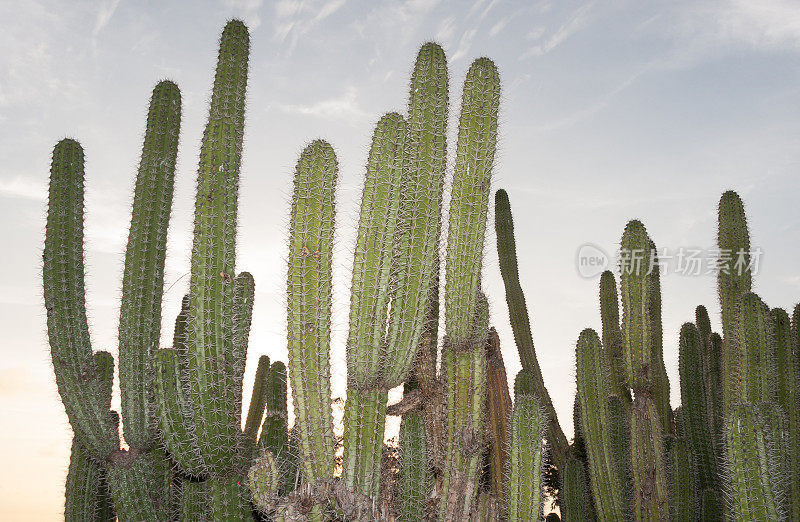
(465, 451)
(729, 451)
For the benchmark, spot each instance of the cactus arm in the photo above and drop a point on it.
(258, 400)
(661, 383)
(174, 414)
(84, 487)
(274, 435)
(612, 334)
(650, 487)
(64, 295)
(524, 496)
(593, 389)
(365, 409)
(683, 483)
(243, 301)
(695, 407)
(210, 326)
(419, 217)
(520, 321)
(309, 306)
(143, 277)
(732, 237)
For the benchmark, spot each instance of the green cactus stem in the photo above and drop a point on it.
(593, 389)
(194, 501)
(309, 306)
(210, 329)
(86, 494)
(258, 400)
(613, 343)
(243, 300)
(787, 379)
(134, 481)
(414, 479)
(520, 321)
(365, 409)
(229, 497)
(755, 339)
(733, 280)
(698, 412)
(263, 479)
(683, 484)
(650, 486)
(524, 495)
(76, 372)
(753, 489)
(274, 430)
(576, 497)
(143, 278)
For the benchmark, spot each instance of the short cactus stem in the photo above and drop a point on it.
(229, 498)
(414, 479)
(86, 492)
(136, 486)
(499, 408)
(309, 306)
(524, 495)
(364, 421)
(258, 400)
(755, 340)
(613, 342)
(263, 479)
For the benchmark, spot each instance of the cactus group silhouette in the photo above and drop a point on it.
(466, 450)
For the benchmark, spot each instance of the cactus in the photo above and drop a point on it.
(593, 389)
(787, 379)
(309, 291)
(414, 480)
(613, 342)
(258, 400)
(650, 488)
(576, 496)
(754, 480)
(683, 482)
(263, 480)
(499, 409)
(87, 498)
(520, 321)
(524, 495)
(733, 281)
(698, 412)
(755, 339)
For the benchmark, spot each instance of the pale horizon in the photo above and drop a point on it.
(608, 113)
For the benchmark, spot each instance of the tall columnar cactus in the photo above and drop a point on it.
(520, 321)
(309, 306)
(84, 380)
(698, 413)
(466, 310)
(524, 495)
(754, 471)
(593, 389)
(212, 380)
(733, 280)
(787, 378)
(373, 356)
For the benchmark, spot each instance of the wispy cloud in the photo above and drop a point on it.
(763, 24)
(104, 15)
(464, 44)
(23, 188)
(248, 10)
(573, 25)
(341, 107)
(294, 18)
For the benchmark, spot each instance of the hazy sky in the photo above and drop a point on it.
(610, 111)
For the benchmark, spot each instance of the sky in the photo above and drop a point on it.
(610, 111)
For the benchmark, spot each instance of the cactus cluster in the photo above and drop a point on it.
(466, 451)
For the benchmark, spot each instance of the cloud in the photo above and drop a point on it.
(104, 15)
(464, 44)
(294, 19)
(23, 188)
(765, 24)
(575, 24)
(341, 107)
(249, 11)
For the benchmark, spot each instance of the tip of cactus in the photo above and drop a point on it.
(278, 366)
(169, 86)
(500, 195)
(68, 145)
(234, 26)
(431, 47)
(483, 66)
